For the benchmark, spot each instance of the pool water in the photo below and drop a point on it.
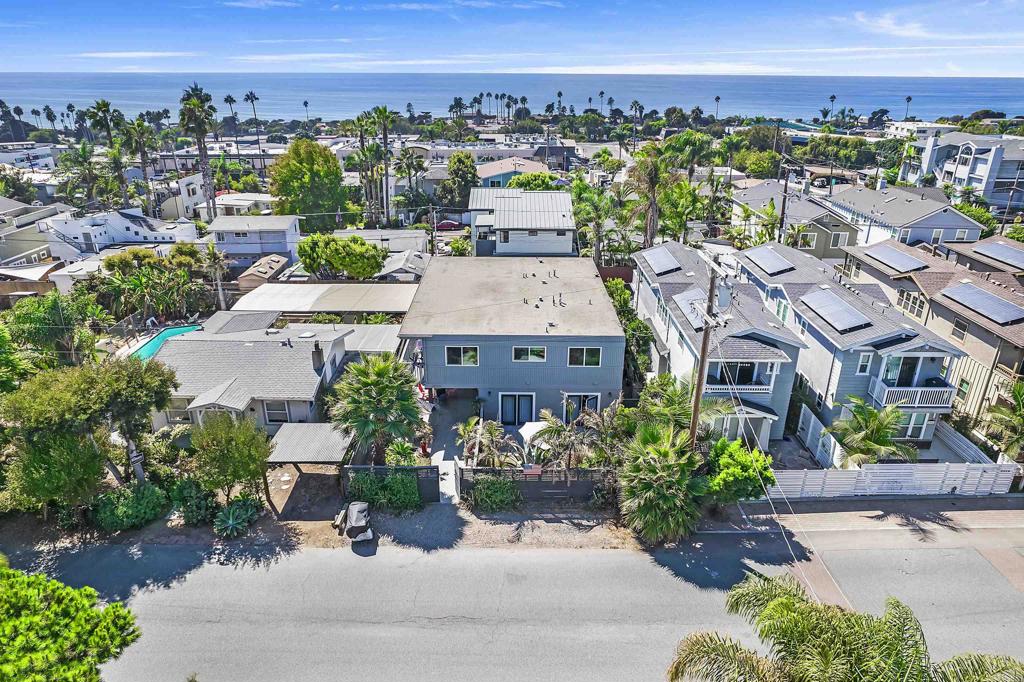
(150, 348)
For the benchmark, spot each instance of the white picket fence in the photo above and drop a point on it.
(978, 476)
(895, 479)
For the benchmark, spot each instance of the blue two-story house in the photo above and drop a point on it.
(518, 333)
(753, 356)
(857, 343)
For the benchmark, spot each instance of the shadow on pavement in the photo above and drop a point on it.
(435, 527)
(719, 561)
(117, 570)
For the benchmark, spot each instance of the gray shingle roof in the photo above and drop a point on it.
(800, 208)
(888, 206)
(969, 250)
(517, 209)
(806, 268)
(933, 263)
(228, 321)
(251, 223)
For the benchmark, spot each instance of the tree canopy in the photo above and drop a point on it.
(534, 181)
(453, 191)
(230, 453)
(308, 179)
(327, 256)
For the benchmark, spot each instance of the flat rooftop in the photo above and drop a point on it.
(356, 297)
(511, 296)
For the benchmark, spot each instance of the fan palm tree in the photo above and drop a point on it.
(36, 114)
(385, 120)
(140, 139)
(906, 115)
(809, 642)
(832, 105)
(377, 402)
(196, 118)
(1008, 422)
(252, 98)
(718, 100)
(669, 401)
(568, 442)
(18, 113)
(215, 263)
(868, 435)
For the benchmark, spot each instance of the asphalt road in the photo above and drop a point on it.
(276, 613)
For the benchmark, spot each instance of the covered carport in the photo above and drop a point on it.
(321, 446)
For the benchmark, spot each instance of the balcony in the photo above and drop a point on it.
(937, 395)
(716, 385)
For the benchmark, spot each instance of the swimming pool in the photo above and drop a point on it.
(150, 348)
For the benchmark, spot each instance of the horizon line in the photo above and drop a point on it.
(139, 72)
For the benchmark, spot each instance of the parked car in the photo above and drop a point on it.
(447, 225)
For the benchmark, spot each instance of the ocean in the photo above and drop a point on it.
(337, 96)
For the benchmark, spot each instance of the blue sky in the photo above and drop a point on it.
(943, 38)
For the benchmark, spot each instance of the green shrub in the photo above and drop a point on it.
(198, 507)
(400, 453)
(365, 487)
(493, 493)
(606, 493)
(738, 473)
(130, 506)
(234, 520)
(401, 492)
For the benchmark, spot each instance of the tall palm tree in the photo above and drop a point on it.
(690, 149)
(140, 140)
(231, 101)
(50, 116)
(76, 173)
(647, 178)
(559, 95)
(807, 641)
(411, 165)
(101, 115)
(1008, 422)
(718, 101)
(832, 105)
(377, 402)
(593, 206)
(906, 115)
(18, 113)
(490, 97)
(251, 98)
(868, 435)
(215, 263)
(36, 114)
(196, 117)
(305, 105)
(600, 96)
(385, 120)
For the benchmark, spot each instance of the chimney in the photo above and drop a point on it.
(882, 183)
(318, 357)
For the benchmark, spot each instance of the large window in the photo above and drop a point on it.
(960, 328)
(575, 403)
(840, 239)
(462, 356)
(864, 363)
(177, 411)
(912, 425)
(276, 411)
(584, 357)
(529, 353)
(910, 302)
(516, 408)
(807, 240)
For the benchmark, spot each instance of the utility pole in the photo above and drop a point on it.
(782, 211)
(1009, 201)
(702, 361)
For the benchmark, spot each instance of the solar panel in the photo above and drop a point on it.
(693, 303)
(768, 260)
(662, 261)
(995, 308)
(897, 260)
(1002, 252)
(839, 314)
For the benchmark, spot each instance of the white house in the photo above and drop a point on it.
(516, 222)
(71, 237)
(919, 129)
(246, 239)
(241, 203)
(179, 198)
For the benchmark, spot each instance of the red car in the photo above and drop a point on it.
(447, 225)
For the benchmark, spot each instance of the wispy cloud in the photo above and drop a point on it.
(291, 57)
(141, 54)
(295, 41)
(660, 68)
(890, 25)
(261, 4)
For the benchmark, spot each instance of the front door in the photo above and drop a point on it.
(575, 403)
(516, 408)
(908, 370)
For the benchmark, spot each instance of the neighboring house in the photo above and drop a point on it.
(74, 238)
(272, 376)
(521, 334)
(79, 271)
(821, 233)
(907, 217)
(917, 129)
(246, 239)
(992, 254)
(993, 165)
(28, 155)
(395, 241)
(407, 266)
(516, 222)
(22, 241)
(257, 157)
(240, 204)
(426, 182)
(498, 173)
(266, 269)
(753, 357)
(858, 345)
(979, 312)
(180, 198)
(351, 300)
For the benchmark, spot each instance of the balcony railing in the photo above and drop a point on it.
(911, 396)
(759, 385)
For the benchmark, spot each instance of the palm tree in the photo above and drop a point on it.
(410, 164)
(669, 401)
(139, 140)
(230, 101)
(18, 113)
(593, 206)
(832, 106)
(36, 114)
(486, 441)
(50, 117)
(690, 150)
(600, 96)
(1008, 421)
(907, 114)
(76, 173)
(377, 402)
(196, 118)
(808, 641)
(868, 435)
(385, 119)
(610, 432)
(568, 442)
(680, 203)
(559, 95)
(718, 101)
(620, 137)
(101, 115)
(215, 263)
(251, 98)
(490, 97)
(305, 105)
(647, 178)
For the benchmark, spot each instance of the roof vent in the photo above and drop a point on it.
(307, 335)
